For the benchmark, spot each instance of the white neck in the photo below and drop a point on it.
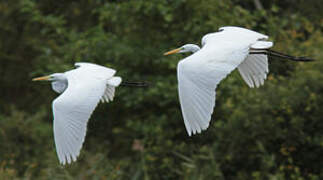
(59, 86)
(190, 48)
(59, 82)
(195, 48)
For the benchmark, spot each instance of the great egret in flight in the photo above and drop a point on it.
(222, 52)
(81, 90)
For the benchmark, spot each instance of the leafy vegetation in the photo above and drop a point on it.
(274, 132)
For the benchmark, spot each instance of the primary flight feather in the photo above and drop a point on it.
(222, 52)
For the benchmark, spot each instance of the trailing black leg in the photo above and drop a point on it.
(135, 84)
(272, 53)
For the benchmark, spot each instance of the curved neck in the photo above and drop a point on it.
(59, 82)
(191, 48)
(59, 86)
(195, 49)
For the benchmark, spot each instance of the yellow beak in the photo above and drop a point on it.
(43, 78)
(172, 52)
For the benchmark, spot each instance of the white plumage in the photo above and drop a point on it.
(86, 85)
(199, 74)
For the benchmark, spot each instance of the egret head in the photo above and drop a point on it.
(186, 48)
(52, 77)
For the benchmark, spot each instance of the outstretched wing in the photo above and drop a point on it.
(232, 33)
(198, 77)
(254, 69)
(110, 89)
(73, 108)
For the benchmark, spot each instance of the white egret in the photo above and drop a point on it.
(222, 52)
(81, 90)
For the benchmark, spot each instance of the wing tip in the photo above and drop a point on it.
(68, 159)
(197, 131)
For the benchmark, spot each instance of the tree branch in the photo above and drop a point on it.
(258, 4)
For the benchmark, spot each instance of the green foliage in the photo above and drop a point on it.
(274, 132)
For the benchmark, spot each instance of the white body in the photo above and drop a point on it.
(200, 73)
(86, 85)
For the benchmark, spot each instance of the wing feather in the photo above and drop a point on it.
(255, 67)
(245, 75)
(110, 89)
(198, 76)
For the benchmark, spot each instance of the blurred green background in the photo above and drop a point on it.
(273, 132)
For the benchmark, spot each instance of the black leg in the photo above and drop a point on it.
(136, 84)
(272, 53)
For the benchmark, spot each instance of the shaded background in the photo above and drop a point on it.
(273, 132)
